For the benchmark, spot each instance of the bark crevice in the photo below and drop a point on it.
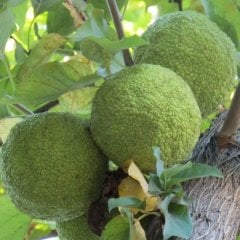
(216, 202)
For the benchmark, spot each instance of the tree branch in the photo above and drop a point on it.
(232, 120)
(113, 8)
(23, 109)
(47, 106)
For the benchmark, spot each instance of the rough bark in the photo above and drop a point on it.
(216, 202)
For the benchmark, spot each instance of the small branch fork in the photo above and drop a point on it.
(113, 8)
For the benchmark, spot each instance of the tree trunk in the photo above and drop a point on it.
(216, 202)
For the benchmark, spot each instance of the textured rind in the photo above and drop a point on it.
(51, 168)
(76, 229)
(197, 50)
(144, 106)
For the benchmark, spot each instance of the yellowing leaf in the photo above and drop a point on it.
(77, 99)
(131, 187)
(137, 232)
(5, 126)
(136, 173)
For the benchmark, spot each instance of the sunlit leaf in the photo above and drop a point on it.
(6, 27)
(51, 80)
(23, 35)
(14, 224)
(226, 14)
(117, 229)
(96, 26)
(39, 55)
(39, 231)
(5, 126)
(76, 100)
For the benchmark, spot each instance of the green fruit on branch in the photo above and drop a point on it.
(76, 229)
(197, 50)
(51, 168)
(144, 106)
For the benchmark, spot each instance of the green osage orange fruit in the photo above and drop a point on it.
(197, 50)
(144, 106)
(51, 168)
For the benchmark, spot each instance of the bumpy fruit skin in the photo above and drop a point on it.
(51, 168)
(144, 106)
(76, 229)
(197, 50)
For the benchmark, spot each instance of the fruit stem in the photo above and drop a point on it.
(114, 10)
(232, 121)
(47, 106)
(23, 109)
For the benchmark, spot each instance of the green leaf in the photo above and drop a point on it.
(22, 33)
(40, 53)
(103, 5)
(128, 202)
(52, 79)
(4, 112)
(6, 27)
(78, 101)
(116, 46)
(20, 54)
(95, 52)
(40, 6)
(57, 17)
(117, 228)
(198, 170)
(178, 221)
(154, 186)
(174, 170)
(96, 26)
(3, 5)
(227, 16)
(14, 3)
(4, 66)
(14, 224)
(103, 50)
(159, 164)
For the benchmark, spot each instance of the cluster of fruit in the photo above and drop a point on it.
(52, 168)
